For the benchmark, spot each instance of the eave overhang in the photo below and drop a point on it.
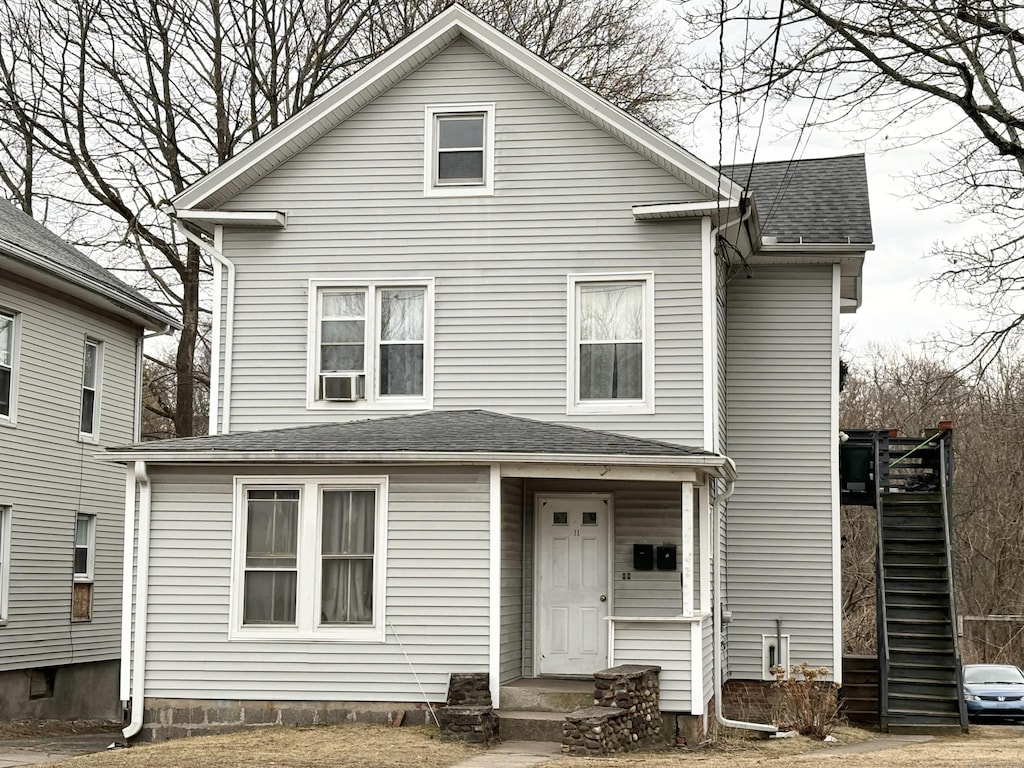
(44, 272)
(714, 465)
(208, 219)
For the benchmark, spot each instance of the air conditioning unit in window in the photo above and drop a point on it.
(342, 387)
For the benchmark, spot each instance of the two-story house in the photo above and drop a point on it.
(70, 365)
(505, 381)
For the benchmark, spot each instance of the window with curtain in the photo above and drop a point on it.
(610, 324)
(311, 558)
(347, 523)
(271, 556)
(401, 340)
(343, 331)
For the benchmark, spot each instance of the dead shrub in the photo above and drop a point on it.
(804, 702)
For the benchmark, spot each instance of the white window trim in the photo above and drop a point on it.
(6, 513)
(88, 576)
(574, 405)
(430, 189)
(11, 419)
(307, 626)
(94, 436)
(373, 401)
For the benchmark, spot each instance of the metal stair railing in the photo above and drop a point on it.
(945, 457)
(881, 618)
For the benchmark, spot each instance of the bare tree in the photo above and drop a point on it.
(948, 70)
(110, 107)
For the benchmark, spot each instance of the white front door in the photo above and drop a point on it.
(572, 588)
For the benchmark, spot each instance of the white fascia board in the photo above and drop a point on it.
(330, 109)
(269, 219)
(720, 466)
(799, 248)
(691, 210)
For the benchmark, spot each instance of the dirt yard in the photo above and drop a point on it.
(364, 746)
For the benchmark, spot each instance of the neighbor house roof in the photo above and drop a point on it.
(820, 201)
(433, 435)
(302, 129)
(31, 250)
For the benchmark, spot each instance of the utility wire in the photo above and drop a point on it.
(767, 89)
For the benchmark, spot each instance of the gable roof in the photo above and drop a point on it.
(28, 244)
(820, 201)
(331, 109)
(429, 436)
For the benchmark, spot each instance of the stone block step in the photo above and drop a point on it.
(516, 725)
(547, 695)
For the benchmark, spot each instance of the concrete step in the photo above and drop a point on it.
(516, 725)
(547, 695)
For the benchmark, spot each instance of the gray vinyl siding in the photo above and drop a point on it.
(634, 641)
(511, 579)
(47, 476)
(436, 598)
(708, 658)
(779, 523)
(562, 204)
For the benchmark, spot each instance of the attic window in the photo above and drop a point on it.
(459, 150)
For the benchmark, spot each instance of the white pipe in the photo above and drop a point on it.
(141, 602)
(223, 260)
(717, 618)
(126, 585)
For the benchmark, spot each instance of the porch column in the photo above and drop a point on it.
(494, 587)
(687, 549)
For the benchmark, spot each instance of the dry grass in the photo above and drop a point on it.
(337, 746)
(367, 746)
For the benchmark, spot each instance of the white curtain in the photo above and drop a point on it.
(272, 531)
(347, 536)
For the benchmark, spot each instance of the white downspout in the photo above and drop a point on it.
(141, 601)
(229, 326)
(716, 619)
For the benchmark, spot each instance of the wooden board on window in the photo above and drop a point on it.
(81, 602)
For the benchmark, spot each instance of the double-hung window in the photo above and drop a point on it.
(310, 559)
(611, 343)
(372, 345)
(92, 375)
(459, 150)
(7, 367)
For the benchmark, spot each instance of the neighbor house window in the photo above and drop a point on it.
(311, 559)
(459, 150)
(84, 565)
(5, 557)
(610, 355)
(91, 377)
(7, 366)
(372, 345)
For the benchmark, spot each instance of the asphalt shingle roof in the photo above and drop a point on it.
(26, 240)
(823, 200)
(473, 431)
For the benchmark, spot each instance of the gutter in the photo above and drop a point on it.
(219, 258)
(716, 574)
(138, 700)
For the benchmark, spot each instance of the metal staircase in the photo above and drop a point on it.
(920, 675)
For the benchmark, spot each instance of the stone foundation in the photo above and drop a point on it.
(177, 718)
(468, 716)
(625, 715)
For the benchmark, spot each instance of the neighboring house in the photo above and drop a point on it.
(70, 366)
(487, 349)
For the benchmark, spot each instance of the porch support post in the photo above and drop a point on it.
(687, 549)
(494, 588)
(706, 555)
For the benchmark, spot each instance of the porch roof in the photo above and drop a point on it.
(442, 436)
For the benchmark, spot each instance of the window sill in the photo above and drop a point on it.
(604, 407)
(89, 439)
(368, 405)
(480, 191)
(293, 635)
